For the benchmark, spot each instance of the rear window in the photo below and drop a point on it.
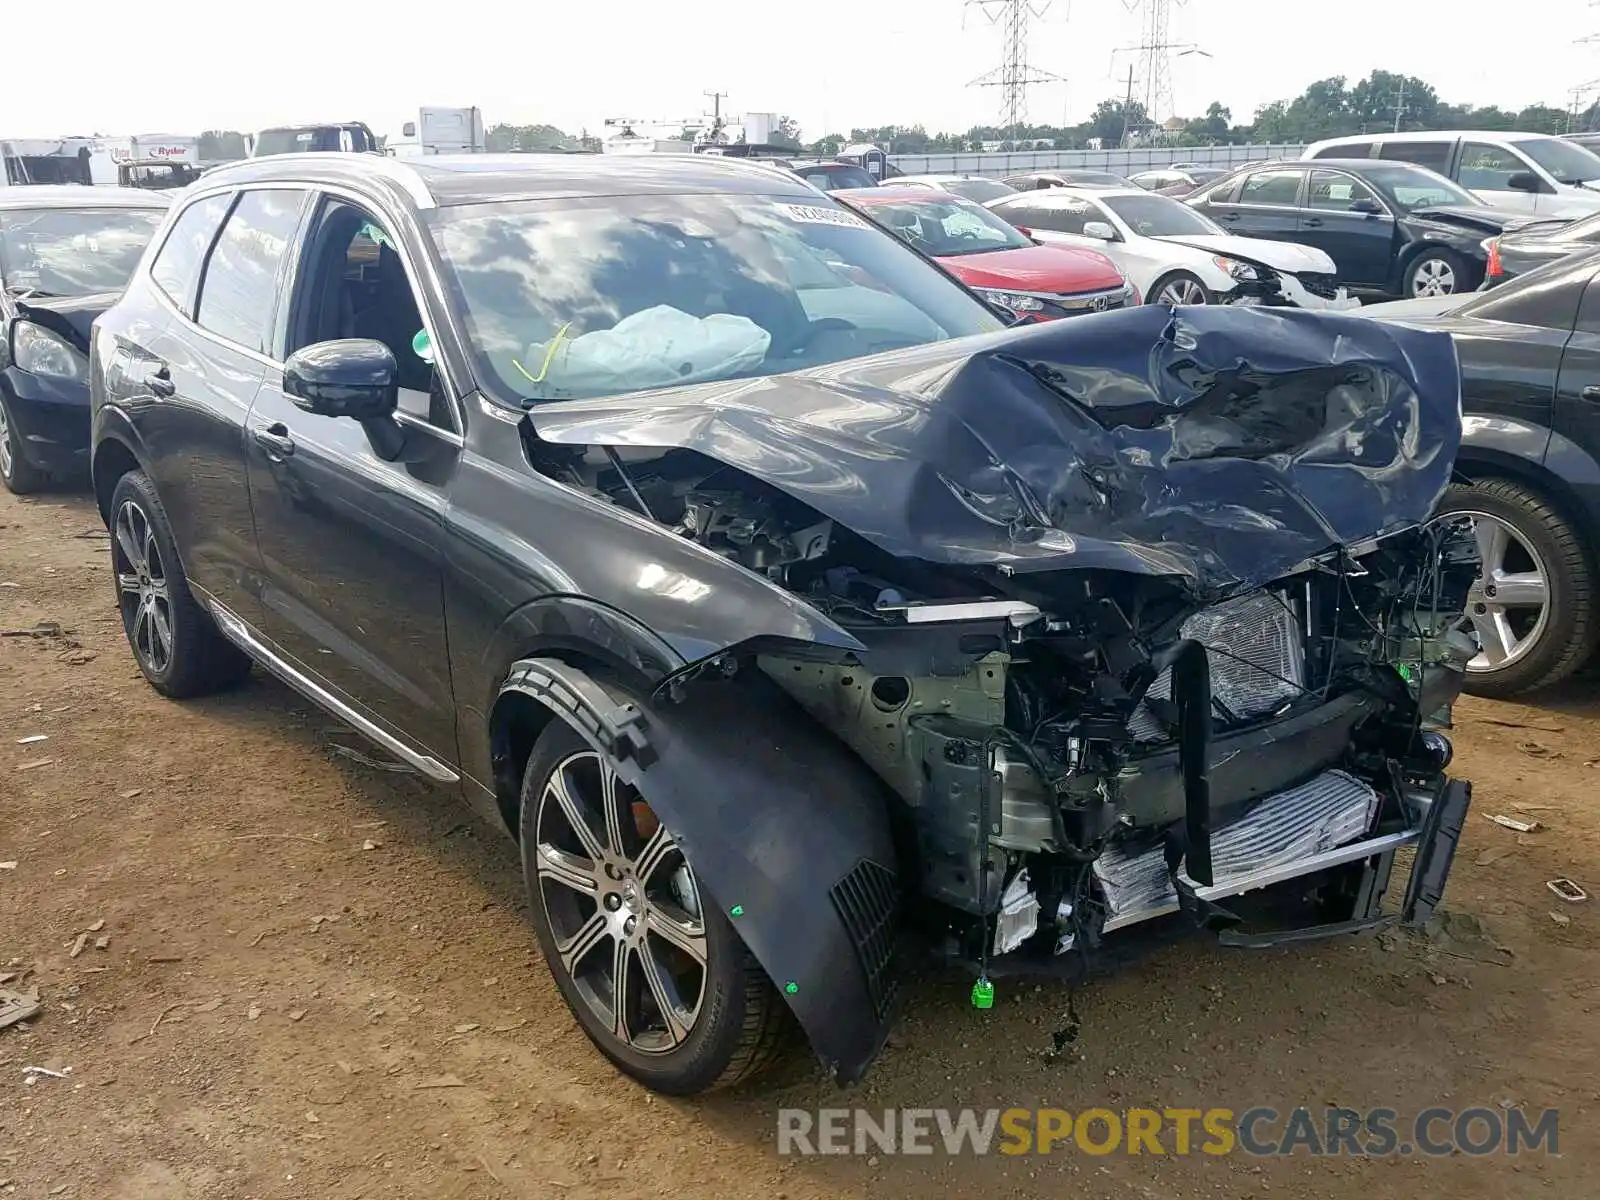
(1345, 150)
(981, 190)
(1433, 155)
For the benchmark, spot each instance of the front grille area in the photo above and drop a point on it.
(1325, 812)
(1325, 286)
(1258, 663)
(868, 902)
(1093, 301)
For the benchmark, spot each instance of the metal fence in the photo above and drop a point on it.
(1120, 162)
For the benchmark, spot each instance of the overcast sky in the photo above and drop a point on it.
(829, 63)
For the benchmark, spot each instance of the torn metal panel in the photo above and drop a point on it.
(1222, 445)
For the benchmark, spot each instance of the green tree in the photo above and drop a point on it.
(1111, 119)
(827, 147)
(1211, 128)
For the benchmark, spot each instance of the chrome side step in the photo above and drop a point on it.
(241, 635)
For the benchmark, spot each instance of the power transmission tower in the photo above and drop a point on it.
(1154, 54)
(1015, 74)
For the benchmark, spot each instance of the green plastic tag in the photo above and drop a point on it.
(422, 346)
(983, 994)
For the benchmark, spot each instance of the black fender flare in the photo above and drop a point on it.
(110, 426)
(787, 830)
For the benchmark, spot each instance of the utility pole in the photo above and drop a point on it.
(1015, 74)
(714, 134)
(1399, 103)
(1127, 109)
(1153, 55)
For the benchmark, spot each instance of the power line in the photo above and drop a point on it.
(1154, 54)
(1015, 74)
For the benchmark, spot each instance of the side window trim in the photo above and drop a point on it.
(279, 284)
(1299, 190)
(192, 292)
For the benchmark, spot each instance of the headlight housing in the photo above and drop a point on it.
(1243, 272)
(1017, 302)
(37, 351)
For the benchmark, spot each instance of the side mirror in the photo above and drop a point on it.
(1023, 230)
(348, 377)
(1367, 206)
(1100, 231)
(1524, 181)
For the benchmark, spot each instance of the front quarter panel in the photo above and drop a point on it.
(536, 566)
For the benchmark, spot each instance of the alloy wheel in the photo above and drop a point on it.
(143, 591)
(622, 905)
(5, 443)
(1508, 605)
(1433, 277)
(1182, 291)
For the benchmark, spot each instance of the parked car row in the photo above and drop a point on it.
(790, 612)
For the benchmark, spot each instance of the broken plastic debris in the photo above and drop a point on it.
(1567, 890)
(61, 1074)
(1561, 918)
(33, 739)
(1512, 823)
(17, 1006)
(10, 865)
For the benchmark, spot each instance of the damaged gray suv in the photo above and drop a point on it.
(793, 615)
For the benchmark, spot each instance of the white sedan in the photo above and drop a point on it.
(1175, 255)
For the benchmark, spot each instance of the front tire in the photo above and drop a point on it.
(1532, 607)
(643, 956)
(175, 642)
(1435, 273)
(1179, 288)
(20, 477)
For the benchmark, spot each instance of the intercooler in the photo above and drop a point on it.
(1258, 664)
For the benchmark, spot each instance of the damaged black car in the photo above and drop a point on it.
(792, 615)
(65, 253)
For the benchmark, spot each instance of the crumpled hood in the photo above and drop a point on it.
(1475, 216)
(1223, 445)
(69, 316)
(1280, 256)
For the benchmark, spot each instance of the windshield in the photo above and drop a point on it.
(836, 176)
(981, 190)
(946, 225)
(1567, 162)
(1416, 187)
(73, 252)
(1159, 216)
(605, 296)
(310, 137)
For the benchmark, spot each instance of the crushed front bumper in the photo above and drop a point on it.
(50, 418)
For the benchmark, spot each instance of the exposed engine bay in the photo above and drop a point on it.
(1157, 703)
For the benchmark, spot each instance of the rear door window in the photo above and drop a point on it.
(176, 268)
(1272, 187)
(1433, 155)
(1063, 218)
(239, 294)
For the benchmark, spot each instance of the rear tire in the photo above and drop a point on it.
(175, 642)
(1540, 535)
(582, 887)
(20, 477)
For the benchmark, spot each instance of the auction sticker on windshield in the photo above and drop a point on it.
(808, 215)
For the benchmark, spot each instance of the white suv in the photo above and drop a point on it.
(1526, 172)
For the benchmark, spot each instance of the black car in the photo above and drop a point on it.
(1391, 228)
(65, 253)
(1529, 468)
(1534, 245)
(830, 176)
(788, 610)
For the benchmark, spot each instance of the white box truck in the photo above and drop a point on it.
(440, 130)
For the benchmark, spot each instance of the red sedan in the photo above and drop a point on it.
(1035, 282)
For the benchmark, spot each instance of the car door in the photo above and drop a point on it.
(191, 382)
(1361, 243)
(1577, 402)
(351, 541)
(1265, 206)
(1486, 169)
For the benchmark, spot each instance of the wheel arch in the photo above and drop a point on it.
(1410, 253)
(115, 452)
(787, 829)
(1477, 462)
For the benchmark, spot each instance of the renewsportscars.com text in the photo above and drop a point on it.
(1261, 1131)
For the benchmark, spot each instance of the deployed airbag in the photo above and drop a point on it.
(1223, 445)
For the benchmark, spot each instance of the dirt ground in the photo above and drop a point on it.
(316, 978)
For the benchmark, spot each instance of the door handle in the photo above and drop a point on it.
(1313, 222)
(159, 381)
(1591, 393)
(1230, 216)
(274, 439)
